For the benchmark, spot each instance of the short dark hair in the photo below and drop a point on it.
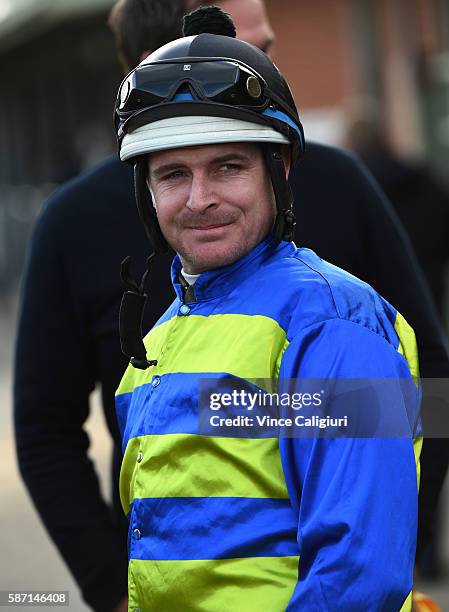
(142, 25)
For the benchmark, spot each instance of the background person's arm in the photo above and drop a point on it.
(54, 376)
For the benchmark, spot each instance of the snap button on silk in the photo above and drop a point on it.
(155, 382)
(139, 456)
(184, 310)
(136, 534)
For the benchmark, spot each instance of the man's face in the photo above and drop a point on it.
(251, 22)
(214, 203)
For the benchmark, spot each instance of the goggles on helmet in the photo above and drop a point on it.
(216, 80)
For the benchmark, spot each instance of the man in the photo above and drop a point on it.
(72, 291)
(221, 523)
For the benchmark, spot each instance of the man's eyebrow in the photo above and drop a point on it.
(221, 159)
(231, 157)
(161, 170)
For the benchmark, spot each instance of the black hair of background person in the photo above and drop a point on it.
(68, 340)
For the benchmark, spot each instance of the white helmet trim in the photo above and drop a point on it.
(190, 131)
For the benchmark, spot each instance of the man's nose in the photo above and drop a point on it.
(202, 193)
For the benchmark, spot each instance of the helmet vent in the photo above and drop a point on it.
(208, 20)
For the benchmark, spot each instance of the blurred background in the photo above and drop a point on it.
(366, 74)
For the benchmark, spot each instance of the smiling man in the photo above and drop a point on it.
(254, 522)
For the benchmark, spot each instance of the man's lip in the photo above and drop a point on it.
(209, 227)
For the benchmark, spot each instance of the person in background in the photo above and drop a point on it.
(71, 295)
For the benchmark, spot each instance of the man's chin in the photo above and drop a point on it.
(209, 256)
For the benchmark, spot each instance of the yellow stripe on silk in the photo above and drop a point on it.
(187, 465)
(407, 345)
(417, 446)
(232, 341)
(407, 606)
(240, 585)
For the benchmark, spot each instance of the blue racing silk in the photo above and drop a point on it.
(245, 523)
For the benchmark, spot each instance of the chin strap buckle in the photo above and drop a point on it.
(290, 224)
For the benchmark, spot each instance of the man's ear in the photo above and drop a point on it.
(287, 158)
(147, 180)
(151, 192)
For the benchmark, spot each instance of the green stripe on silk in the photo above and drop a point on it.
(407, 345)
(188, 465)
(240, 585)
(216, 343)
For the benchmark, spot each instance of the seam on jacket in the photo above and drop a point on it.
(339, 315)
(358, 324)
(299, 258)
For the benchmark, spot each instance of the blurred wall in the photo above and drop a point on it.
(314, 50)
(58, 88)
(338, 53)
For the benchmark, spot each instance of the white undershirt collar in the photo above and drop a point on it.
(190, 278)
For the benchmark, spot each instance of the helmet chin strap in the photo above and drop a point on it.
(134, 300)
(284, 225)
(131, 316)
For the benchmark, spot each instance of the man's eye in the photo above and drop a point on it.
(173, 176)
(230, 167)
